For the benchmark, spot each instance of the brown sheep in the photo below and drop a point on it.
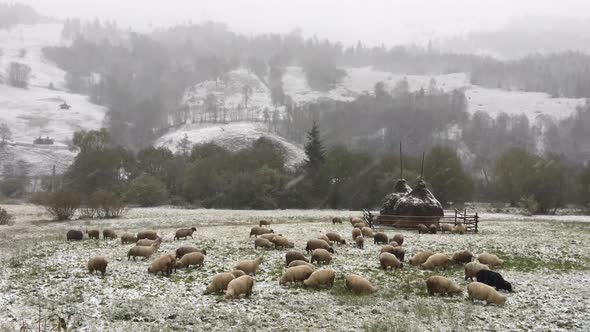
(422, 229)
(296, 274)
(318, 244)
(432, 229)
(472, 268)
(150, 235)
(145, 252)
(389, 260)
(459, 229)
(269, 236)
(356, 233)
(220, 281)
(128, 238)
(446, 228)
(490, 259)
(262, 243)
(98, 263)
(147, 242)
(394, 243)
(437, 260)
(249, 266)
(359, 285)
(321, 256)
(163, 264)
(483, 292)
(238, 273)
(462, 257)
(238, 286)
(321, 278)
(336, 220)
(367, 232)
(188, 249)
(356, 220)
(360, 242)
(420, 257)
(359, 225)
(387, 248)
(264, 223)
(399, 239)
(294, 256)
(108, 234)
(184, 233)
(281, 242)
(93, 234)
(398, 252)
(192, 258)
(325, 238)
(74, 235)
(442, 285)
(298, 263)
(335, 237)
(257, 230)
(380, 238)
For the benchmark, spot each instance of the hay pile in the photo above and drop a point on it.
(419, 202)
(401, 189)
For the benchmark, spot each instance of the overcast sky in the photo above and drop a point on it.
(372, 21)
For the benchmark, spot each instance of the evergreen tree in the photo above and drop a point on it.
(314, 151)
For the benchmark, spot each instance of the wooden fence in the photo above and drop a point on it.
(376, 221)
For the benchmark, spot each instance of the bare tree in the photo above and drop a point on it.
(19, 74)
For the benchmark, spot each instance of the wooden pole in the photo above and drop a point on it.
(422, 171)
(401, 161)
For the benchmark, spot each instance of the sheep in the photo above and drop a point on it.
(93, 234)
(257, 230)
(367, 232)
(389, 260)
(268, 236)
(335, 237)
(163, 264)
(387, 248)
(294, 256)
(74, 235)
(145, 252)
(380, 238)
(398, 252)
(483, 292)
(264, 223)
(321, 256)
(437, 260)
(336, 220)
(128, 238)
(359, 285)
(490, 259)
(172, 255)
(493, 279)
(446, 228)
(442, 285)
(193, 258)
(220, 281)
(296, 274)
(98, 263)
(147, 242)
(321, 278)
(360, 225)
(393, 243)
(108, 234)
(472, 268)
(238, 286)
(459, 229)
(360, 242)
(281, 242)
(420, 257)
(356, 233)
(298, 262)
(262, 243)
(150, 235)
(249, 266)
(355, 220)
(399, 239)
(432, 229)
(462, 257)
(318, 244)
(238, 273)
(188, 249)
(184, 233)
(325, 238)
(422, 229)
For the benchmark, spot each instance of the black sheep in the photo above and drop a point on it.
(380, 238)
(493, 279)
(74, 235)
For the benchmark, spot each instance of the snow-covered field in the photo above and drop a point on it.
(547, 262)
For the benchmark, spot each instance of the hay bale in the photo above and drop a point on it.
(400, 189)
(419, 202)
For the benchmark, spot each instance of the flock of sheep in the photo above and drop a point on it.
(240, 280)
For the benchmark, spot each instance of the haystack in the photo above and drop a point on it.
(419, 202)
(400, 189)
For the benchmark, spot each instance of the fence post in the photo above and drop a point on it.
(476, 222)
(455, 217)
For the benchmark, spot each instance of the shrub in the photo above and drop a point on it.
(147, 190)
(108, 205)
(529, 205)
(5, 217)
(61, 205)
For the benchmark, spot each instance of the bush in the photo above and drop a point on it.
(5, 217)
(147, 190)
(61, 205)
(108, 205)
(529, 205)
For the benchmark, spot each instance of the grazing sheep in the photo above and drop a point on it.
(356, 220)
(335, 237)
(399, 239)
(472, 268)
(459, 229)
(74, 235)
(93, 234)
(325, 238)
(398, 252)
(98, 263)
(420, 257)
(432, 229)
(193, 258)
(145, 252)
(380, 238)
(387, 248)
(446, 228)
(257, 230)
(367, 232)
(163, 264)
(336, 220)
(394, 243)
(108, 234)
(296, 274)
(269, 236)
(462, 257)
(238, 286)
(281, 242)
(490, 259)
(294, 256)
(321, 256)
(147, 242)
(321, 278)
(437, 260)
(298, 262)
(442, 285)
(493, 279)
(128, 238)
(318, 244)
(483, 292)
(150, 235)
(238, 273)
(264, 223)
(249, 266)
(389, 260)
(184, 233)
(356, 233)
(422, 229)
(219, 283)
(360, 242)
(188, 249)
(359, 285)
(262, 243)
